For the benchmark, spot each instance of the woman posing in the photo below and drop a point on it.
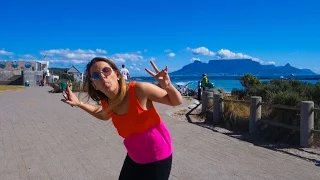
(130, 106)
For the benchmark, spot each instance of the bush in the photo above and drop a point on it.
(76, 86)
(249, 80)
(278, 91)
(287, 98)
(239, 93)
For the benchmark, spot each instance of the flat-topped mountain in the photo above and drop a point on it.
(238, 67)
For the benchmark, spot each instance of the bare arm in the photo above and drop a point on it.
(169, 95)
(71, 98)
(174, 95)
(94, 111)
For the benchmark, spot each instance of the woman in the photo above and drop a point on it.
(130, 106)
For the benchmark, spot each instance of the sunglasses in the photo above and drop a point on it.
(96, 75)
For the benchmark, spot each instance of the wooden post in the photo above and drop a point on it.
(217, 108)
(255, 112)
(207, 100)
(306, 123)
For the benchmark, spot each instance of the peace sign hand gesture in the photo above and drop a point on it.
(161, 76)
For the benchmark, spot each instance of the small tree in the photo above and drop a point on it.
(249, 80)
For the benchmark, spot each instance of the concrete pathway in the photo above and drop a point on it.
(43, 138)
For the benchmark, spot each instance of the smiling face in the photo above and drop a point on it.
(104, 78)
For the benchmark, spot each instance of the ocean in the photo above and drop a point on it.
(226, 83)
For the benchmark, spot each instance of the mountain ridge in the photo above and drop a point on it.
(238, 67)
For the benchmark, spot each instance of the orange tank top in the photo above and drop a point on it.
(136, 120)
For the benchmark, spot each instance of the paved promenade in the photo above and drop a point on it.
(43, 138)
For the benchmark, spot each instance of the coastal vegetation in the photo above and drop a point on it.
(277, 91)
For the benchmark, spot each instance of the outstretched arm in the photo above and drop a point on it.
(94, 111)
(71, 99)
(170, 95)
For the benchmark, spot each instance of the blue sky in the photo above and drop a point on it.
(173, 33)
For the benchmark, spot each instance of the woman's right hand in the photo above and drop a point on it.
(70, 98)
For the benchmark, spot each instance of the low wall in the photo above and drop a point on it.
(34, 77)
(5, 75)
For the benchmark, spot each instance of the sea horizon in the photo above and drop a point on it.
(227, 83)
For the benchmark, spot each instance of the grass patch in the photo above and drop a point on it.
(4, 88)
(236, 116)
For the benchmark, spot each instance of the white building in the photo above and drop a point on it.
(77, 75)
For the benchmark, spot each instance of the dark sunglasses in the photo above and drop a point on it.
(96, 75)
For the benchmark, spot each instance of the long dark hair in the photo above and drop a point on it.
(97, 95)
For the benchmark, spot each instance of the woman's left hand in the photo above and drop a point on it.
(161, 76)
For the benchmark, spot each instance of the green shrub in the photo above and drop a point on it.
(287, 98)
(249, 80)
(239, 93)
(284, 92)
(75, 85)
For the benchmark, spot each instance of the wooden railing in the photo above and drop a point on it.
(306, 109)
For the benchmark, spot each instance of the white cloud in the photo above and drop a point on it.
(76, 56)
(227, 54)
(194, 59)
(201, 51)
(118, 60)
(66, 61)
(101, 51)
(28, 56)
(269, 63)
(5, 53)
(138, 52)
(224, 54)
(137, 69)
(134, 64)
(79, 61)
(79, 56)
(127, 56)
(171, 55)
(152, 59)
(73, 54)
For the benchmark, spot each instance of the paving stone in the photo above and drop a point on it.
(43, 138)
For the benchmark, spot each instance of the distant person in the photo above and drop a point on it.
(41, 82)
(125, 72)
(204, 82)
